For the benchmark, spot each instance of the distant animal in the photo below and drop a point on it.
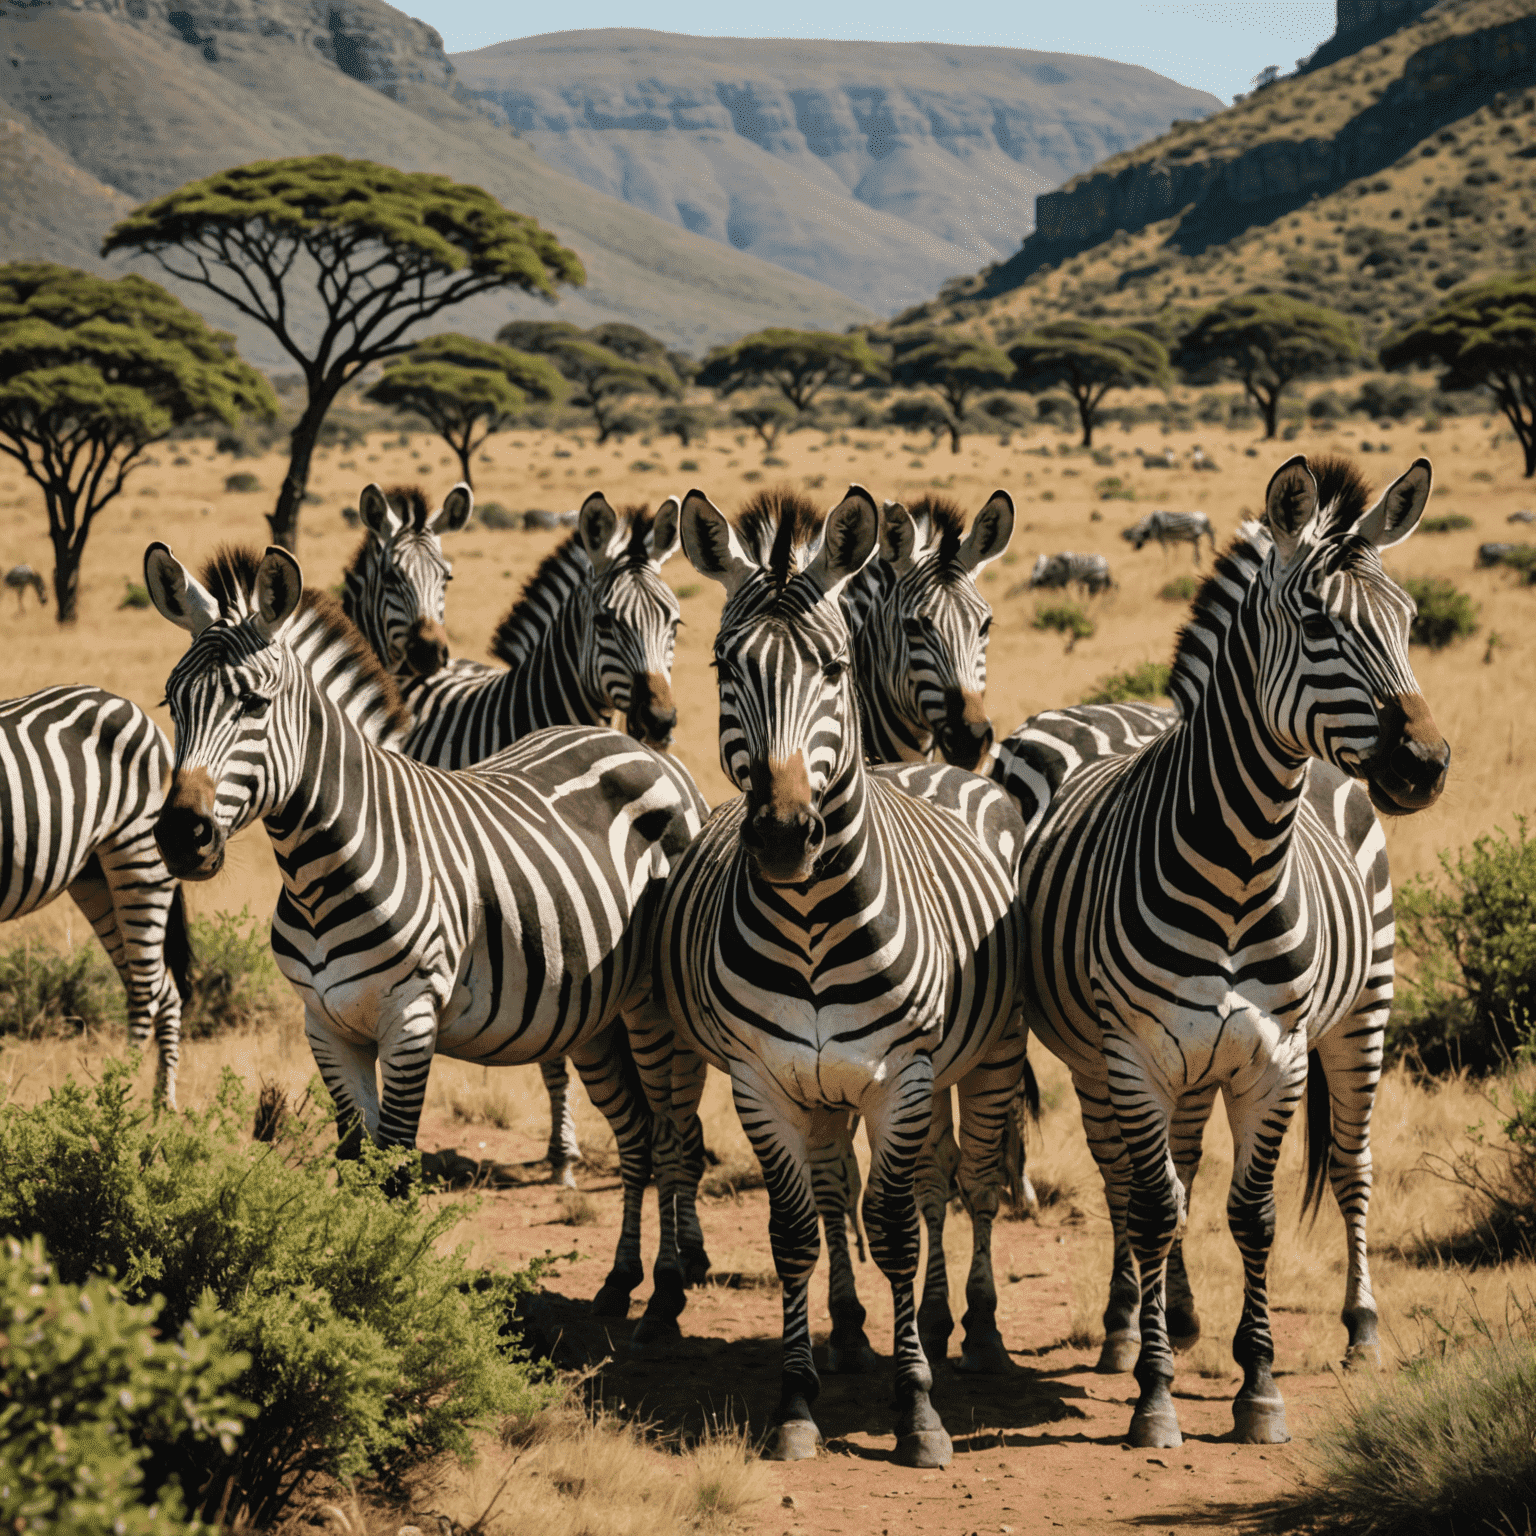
(1198, 459)
(1495, 553)
(1523, 516)
(19, 578)
(1167, 459)
(1054, 572)
(1172, 528)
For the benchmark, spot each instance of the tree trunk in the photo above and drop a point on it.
(1270, 406)
(284, 519)
(954, 437)
(66, 579)
(1085, 416)
(465, 454)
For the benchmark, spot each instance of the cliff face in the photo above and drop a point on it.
(879, 168)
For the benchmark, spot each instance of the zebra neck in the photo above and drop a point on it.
(889, 736)
(548, 687)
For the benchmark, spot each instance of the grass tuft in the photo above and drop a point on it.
(1067, 619)
(1147, 681)
(576, 1208)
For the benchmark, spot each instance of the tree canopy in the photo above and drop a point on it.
(1268, 340)
(94, 370)
(799, 364)
(467, 389)
(599, 374)
(382, 249)
(1087, 360)
(955, 366)
(1482, 336)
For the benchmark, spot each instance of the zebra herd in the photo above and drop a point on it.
(1176, 902)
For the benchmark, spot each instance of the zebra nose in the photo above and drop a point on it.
(783, 844)
(426, 648)
(190, 843)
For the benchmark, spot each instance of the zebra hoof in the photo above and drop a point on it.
(563, 1174)
(1156, 1427)
(924, 1448)
(611, 1301)
(798, 1440)
(851, 1357)
(650, 1332)
(1366, 1353)
(984, 1356)
(1259, 1421)
(1183, 1329)
(695, 1267)
(1119, 1354)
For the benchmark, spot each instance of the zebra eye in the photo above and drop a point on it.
(1317, 626)
(986, 626)
(833, 671)
(253, 704)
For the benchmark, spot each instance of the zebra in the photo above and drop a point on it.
(594, 630)
(839, 940)
(394, 587)
(1172, 528)
(498, 915)
(1055, 572)
(1196, 925)
(81, 776)
(920, 629)
(19, 578)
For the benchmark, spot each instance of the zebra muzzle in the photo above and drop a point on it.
(966, 735)
(1408, 771)
(652, 715)
(783, 832)
(189, 838)
(426, 648)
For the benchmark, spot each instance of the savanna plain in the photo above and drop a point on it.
(663, 1442)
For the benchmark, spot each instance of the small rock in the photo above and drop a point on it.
(788, 1501)
(1156, 1461)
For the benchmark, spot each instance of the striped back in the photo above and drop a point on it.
(395, 588)
(920, 629)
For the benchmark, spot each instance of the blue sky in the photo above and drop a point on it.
(1215, 45)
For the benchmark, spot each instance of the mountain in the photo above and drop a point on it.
(880, 169)
(1398, 162)
(104, 103)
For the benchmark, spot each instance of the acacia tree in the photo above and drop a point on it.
(955, 366)
(799, 364)
(1482, 336)
(767, 417)
(1088, 361)
(600, 377)
(466, 389)
(1268, 340)
(93, 372)
(381, 249)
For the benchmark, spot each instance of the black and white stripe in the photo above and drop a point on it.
(500, 915)
(1169, 528)
(1201, 922)
(82, 775)
(837, 945)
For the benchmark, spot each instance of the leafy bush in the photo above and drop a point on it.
(1445, 612)
(1181, 589)
(1447, 522)
(134, 595)
(491, 514)
(1066, 619)
(1473, 940)
(1396, 398)
(1113, 488)
(235, 981)
(43, 990)
(242, 481)
(1147, 681)
(97, 1409)
(370, 1352)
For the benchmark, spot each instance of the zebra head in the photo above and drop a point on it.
(1334, 680)
(395, 588)
(936, 622)
(789, 731)
(630, 615)
(1138, 533)
(227, 695)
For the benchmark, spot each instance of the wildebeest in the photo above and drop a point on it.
(1172, 528)
(1090, 572)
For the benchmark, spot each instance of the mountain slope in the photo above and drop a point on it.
(878, 168)
(113, 101)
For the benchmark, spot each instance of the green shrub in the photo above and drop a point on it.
(44, 990)
(1446, 522)
(1181, 589)
(1473, 940)
(96, 1411)
(492, 514)
(1065, 618)
(370, 1352)
(1113, 488)
(1147, 681)
(134, 595)
(1445, 612)
(242, 481)
(235, 981)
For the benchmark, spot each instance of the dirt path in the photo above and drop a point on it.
(1040, 1449)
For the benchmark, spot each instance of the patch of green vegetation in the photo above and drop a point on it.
(134, 595)
(1446, 522)
(242, 482)
(1147, 681)
(1113, 488)
(1181, 589)
(1067, 619)
(1446, 613)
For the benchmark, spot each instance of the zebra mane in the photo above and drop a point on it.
(1212, 611)
(410, 501)
(321, 635)
(779, 526)
(945, 523)
(1342, 490)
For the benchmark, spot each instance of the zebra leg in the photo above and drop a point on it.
(780, 1133)
(349, 1070)
(564, 1150)
(987, 1096)
(1188, 1131)
(933, 1183)
(611, 1083)
(836, 1185)
(1350, 1057)
(1259, 1115)
(897, 1125)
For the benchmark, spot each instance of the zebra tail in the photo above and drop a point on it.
(1319, 1138)
(178, 946)
(1025, 1101)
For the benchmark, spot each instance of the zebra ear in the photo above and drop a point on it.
(898, 537)
(1398, 512)
(711, 544)
(596, 523)
(455, 511)
(848, 542)
(179, 597)
(279, 586)
(1290, 504)
(665, 532)
(379, 518)
(990, 532)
